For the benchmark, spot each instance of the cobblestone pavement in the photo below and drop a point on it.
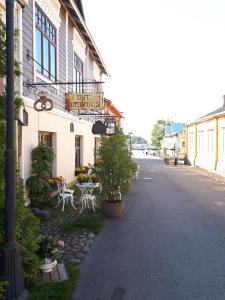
(77, 244)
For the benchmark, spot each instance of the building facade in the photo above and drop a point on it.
(58, 55)
(206, 141)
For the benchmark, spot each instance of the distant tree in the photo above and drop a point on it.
(138, 140)
(158, 132)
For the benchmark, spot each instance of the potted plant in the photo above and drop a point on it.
(114, 169)
(37, 184)
(49, 252)
(83, 178)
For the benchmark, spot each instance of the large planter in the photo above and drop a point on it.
(48, 265)
(113, 209)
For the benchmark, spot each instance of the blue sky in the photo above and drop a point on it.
(166, 58)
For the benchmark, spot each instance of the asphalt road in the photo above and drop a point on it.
(170, 243)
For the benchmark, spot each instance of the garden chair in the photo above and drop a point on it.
(87, 197)
(64, 195)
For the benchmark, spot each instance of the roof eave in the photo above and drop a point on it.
(206, 118)
(80, 22)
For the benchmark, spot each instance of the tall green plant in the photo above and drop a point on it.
(115, 166)
(38, 187)
(26, 224)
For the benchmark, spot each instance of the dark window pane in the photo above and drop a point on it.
(52, 58)
(38, 50)
(46, 56)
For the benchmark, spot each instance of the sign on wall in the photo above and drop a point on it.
(84, 101)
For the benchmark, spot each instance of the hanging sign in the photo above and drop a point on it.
(84, 101)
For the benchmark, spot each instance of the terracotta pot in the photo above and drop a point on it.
(113, 209)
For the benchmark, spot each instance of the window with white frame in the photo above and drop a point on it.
(191, 142)
(200, 141)
(45, 48)
(223, 142)
(210, 141)
(78, 74)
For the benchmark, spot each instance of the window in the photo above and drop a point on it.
(200, 142)
(78, 74)
(45, 138)
(191, 138)
(223, 142)
(45, 35)
(77, 151)
(210, 141)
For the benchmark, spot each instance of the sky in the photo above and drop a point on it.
(166, 59)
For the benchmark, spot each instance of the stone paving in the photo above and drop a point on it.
(77, 244)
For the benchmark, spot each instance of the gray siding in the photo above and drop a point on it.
(28, 64)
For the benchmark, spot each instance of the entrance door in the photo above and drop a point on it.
(77, 151)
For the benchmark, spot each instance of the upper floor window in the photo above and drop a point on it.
(78, 74)
(45, 34)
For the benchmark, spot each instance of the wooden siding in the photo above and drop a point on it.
(55, 93)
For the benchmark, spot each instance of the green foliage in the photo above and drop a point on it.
(90, 221)
(42, 158)
(2, 48)
(37, 184)
(115, 166)
(26, 224)
(158, 132)
(27, 230)
(3, 284)
(138, 140)
(59, 290)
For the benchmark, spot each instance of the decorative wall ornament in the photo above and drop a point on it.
(43, 103)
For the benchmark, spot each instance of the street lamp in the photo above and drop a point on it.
(11, 251)
(129, 134)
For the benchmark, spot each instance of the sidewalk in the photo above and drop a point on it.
(214, 175)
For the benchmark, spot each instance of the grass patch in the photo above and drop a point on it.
(58, 290)
(89, 221)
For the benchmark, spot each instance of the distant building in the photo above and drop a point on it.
(174, 142)
(206, 140)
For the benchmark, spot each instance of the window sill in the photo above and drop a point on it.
(45, 79)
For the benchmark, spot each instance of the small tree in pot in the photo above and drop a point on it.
(114, 169)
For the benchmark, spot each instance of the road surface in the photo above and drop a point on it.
(170, 243)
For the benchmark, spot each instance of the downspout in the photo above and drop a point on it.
(186, 147)
(217, 145)
(196, 139)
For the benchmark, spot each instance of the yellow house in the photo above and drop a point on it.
(206, 141)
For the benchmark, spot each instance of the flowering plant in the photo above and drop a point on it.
(49, 248)
(55, 180)
(95, 178)
(82, 177)
(81, 170)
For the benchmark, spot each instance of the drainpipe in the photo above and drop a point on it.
(196, 140)
(186, 146)
(217, 145)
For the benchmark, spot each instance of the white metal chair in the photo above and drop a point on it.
(87, 195)
(64, 195)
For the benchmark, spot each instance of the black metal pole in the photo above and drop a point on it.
(12, 266)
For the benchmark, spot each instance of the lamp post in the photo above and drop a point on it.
(129, 134)
(11, 251)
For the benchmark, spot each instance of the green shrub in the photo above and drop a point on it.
(115, 166)
(38, 186)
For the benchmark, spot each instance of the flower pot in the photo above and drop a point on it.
(113, 209)
(48, 265)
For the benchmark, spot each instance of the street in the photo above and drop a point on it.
(169, 244)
